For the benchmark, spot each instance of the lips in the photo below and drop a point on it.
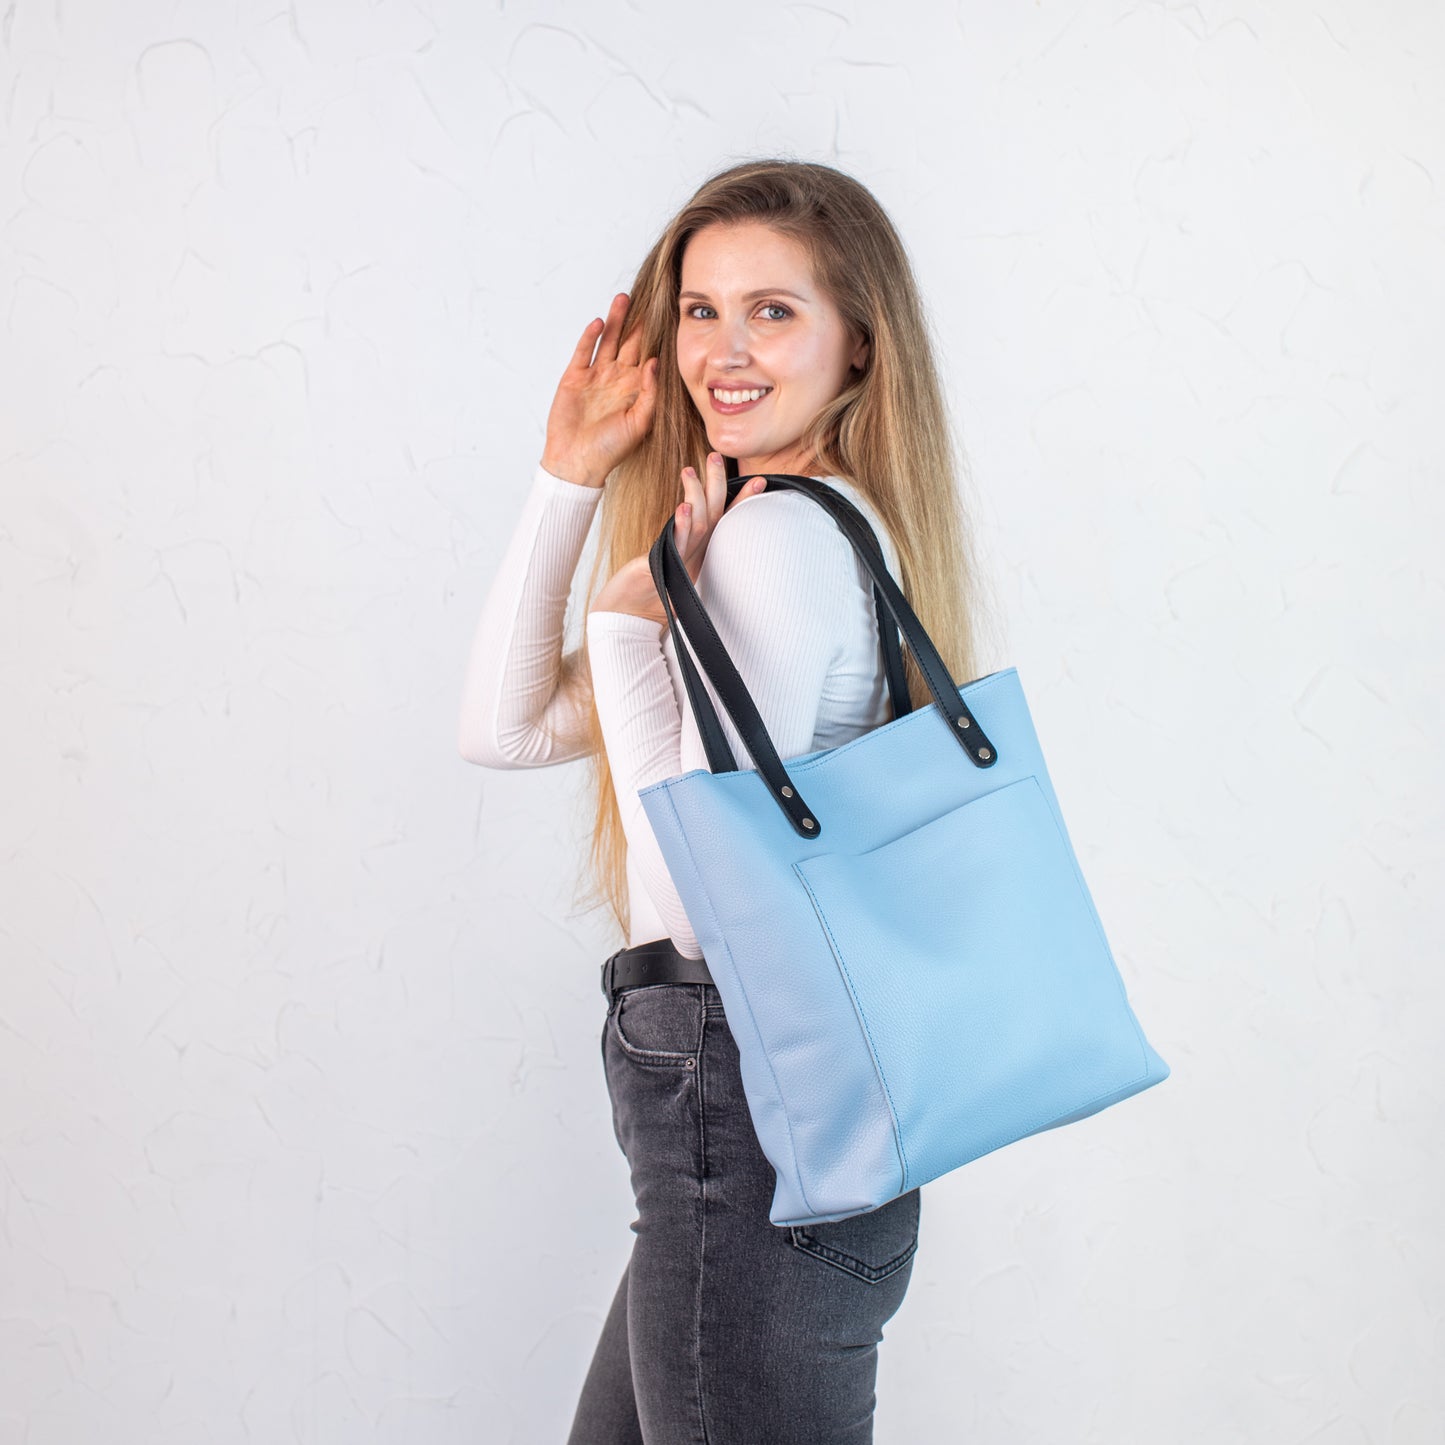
(723, 409)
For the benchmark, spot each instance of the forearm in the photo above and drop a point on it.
(520, 706)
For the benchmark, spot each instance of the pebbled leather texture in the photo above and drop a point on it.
(926, 982)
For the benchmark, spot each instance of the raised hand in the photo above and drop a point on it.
(604, 403)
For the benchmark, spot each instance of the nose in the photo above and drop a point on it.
(729, 348)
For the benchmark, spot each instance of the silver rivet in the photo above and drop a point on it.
(787, 791)
(809, 823)
(963, 722)
(691, 1063)
(984, 753)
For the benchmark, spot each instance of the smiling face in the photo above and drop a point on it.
(751, 317)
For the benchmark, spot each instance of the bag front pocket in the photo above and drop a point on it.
(982, 981)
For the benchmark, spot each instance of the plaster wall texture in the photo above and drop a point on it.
(303, 1131)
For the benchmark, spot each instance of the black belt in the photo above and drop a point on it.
(655, 962)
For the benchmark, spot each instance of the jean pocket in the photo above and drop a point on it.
(660, 1023)
(868, 1246)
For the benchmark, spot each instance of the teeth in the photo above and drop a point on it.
(732, 398)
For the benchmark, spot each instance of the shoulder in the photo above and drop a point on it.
(784, 518)
(775, 531)
(775, 508)
(783, 530)
(776, 553)
(792, 516)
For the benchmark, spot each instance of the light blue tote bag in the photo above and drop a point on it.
(907, 953)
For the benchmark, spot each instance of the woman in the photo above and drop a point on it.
(776, 321)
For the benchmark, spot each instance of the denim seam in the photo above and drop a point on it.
(868, 1273)
(700, 1093)
(654, 1058)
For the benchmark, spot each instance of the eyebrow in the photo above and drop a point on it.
(749, 296)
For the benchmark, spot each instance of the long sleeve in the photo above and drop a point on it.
(783, 588)
(642, 729)
(523, 704)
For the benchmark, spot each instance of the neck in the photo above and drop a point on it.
(801, 466)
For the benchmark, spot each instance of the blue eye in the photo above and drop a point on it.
(766, 306)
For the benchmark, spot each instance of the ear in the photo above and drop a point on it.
(860, 356)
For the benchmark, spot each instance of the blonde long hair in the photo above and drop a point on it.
(888, 431)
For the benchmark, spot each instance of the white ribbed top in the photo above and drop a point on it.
(790, 601)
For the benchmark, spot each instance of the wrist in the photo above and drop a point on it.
(622, 609)
(620, 600)
(568, 470)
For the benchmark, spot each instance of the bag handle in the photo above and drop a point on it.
(688, 621)
(859, 532)
(887, 632)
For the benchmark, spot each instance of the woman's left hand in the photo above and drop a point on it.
(631, 588)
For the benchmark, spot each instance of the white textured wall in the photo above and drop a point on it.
(303, 1131)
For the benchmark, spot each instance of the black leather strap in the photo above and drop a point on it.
(689, 622)
(655, 962)
(887, 629)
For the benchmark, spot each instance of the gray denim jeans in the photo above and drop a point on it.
(727, 1329)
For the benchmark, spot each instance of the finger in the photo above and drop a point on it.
(631, 349)
(607, 347)
(645, 406)
(750, 488)
(700, 520)
(692, 492)
(647, 395)
(717, 485)
(682, 528)
(582, 355)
